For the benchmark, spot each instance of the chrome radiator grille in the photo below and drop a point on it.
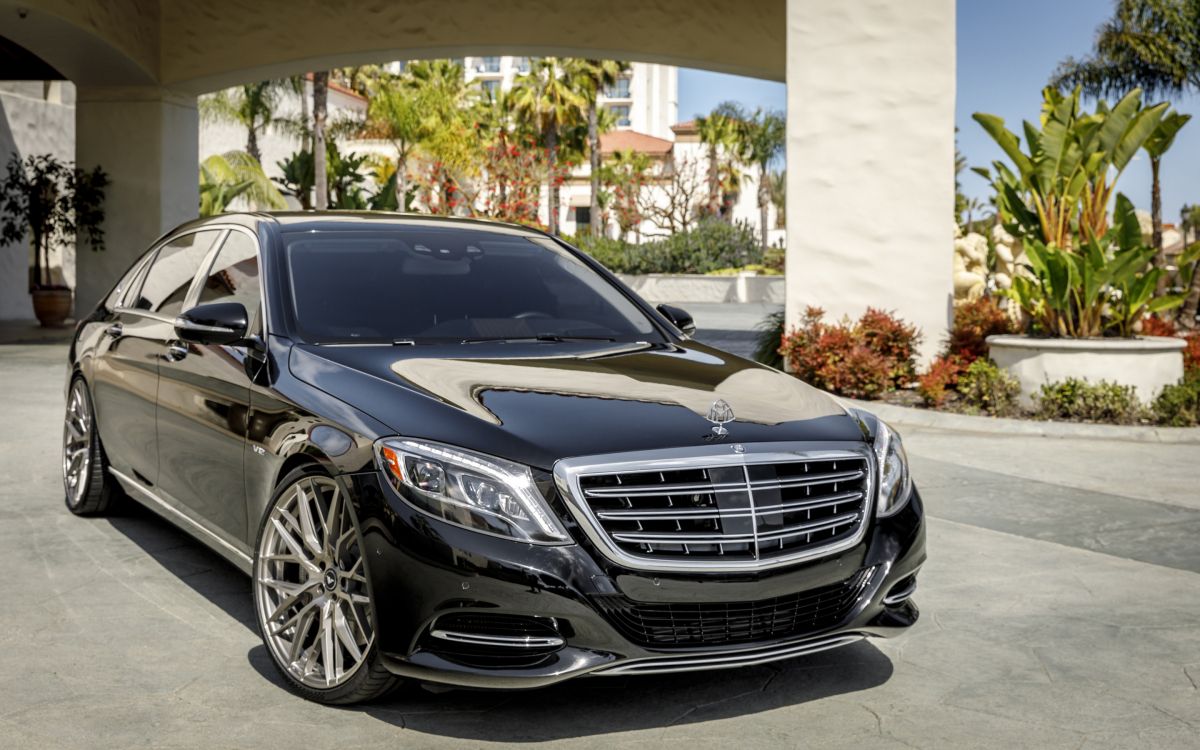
(754, 510)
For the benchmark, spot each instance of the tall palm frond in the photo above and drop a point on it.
(234, 174)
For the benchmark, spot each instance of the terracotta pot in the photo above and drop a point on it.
(51, 306)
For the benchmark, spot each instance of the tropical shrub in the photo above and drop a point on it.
(1179, 405)
(768, 339)
(709, 246)
(1078, 400)
(974, 321)
(860, 359)
(987, 388)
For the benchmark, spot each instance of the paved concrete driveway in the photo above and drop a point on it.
(1061, 609)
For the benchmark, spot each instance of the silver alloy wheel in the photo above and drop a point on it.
(77, 443)
(310, 586)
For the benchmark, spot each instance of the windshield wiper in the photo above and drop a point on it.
(543, 337)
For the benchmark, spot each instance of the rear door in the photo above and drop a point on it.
(204, 399)
(125, 375)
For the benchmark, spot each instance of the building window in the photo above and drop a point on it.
(583, 216)
(487, 65)
(621, 113)
(521, 64)
(619, 90)
(490, 88)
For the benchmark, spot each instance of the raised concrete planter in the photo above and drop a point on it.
(1146, 363)
(683, 288)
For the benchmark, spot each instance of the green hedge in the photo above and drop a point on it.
(709, 246)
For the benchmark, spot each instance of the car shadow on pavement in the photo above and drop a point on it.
(206, 572)
(605, 705)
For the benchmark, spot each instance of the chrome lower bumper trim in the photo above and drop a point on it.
(728, 659)
(895, 597)
(510, 641)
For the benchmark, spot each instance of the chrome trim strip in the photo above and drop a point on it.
(709, 489)
(568, 472)
(904, 594)
(510, 641)
(685, 538)
(651, 514)
(726, 659)
(176, 513)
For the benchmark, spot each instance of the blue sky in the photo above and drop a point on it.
(1006, 52)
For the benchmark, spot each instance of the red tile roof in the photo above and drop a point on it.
(629, 140)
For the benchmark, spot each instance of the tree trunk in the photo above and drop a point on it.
(401, 181)
(36, 240)
(252, 144)
(306, 139)
(320, 175)
(594, 149)
(714, 181)
(1156, 238)
(552, 198)
(764, 203)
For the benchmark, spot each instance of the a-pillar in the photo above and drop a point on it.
(146, 140)
(870, 159)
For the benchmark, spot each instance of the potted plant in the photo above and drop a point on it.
(1089, 276)
(50, 201)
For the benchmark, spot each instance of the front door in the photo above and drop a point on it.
(204, 399)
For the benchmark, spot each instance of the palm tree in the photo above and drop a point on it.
(1153, 45)
(395, 114)
(591, 77)
(320, 167)
(718, 131)
(1155, 146)
(251, 106)
(224, 177)
(761, 140)
(545, 98)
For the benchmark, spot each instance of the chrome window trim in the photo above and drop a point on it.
(568, 472)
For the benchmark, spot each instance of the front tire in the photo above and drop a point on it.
(89, 489)
(312, 594)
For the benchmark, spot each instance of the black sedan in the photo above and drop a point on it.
(464, 453)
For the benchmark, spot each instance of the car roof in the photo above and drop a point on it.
(292, 221)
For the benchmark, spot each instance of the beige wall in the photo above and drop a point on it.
(870, 155)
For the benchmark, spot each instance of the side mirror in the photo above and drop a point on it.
(218, 323)
(679, 318)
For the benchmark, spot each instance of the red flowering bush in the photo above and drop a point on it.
(935, 384)
(862, 359)
(1191, 353)
(973, 322)
(1155, 326)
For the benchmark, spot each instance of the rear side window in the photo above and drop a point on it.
(233, 276)
(173, 270)
(122, 293)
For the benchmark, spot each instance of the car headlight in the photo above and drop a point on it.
(479, 492)
(895, 482)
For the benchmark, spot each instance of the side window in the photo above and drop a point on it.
(123, 291)
(176, 265)
(234, 275)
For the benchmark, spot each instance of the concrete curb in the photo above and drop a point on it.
(903, 415)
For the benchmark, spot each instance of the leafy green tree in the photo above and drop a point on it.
(547, 100)
(395, 114)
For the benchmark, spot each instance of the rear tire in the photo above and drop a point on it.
(89, 488)
(312, 593)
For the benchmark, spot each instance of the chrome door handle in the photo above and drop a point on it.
(175, 352)
(115, 330)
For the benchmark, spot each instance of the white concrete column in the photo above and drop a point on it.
(146, 139)
(870, 159)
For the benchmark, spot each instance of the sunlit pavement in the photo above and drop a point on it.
(1060, 609)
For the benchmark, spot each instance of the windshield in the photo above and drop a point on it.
(441, 284)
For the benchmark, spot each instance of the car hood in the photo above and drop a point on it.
(540, 402)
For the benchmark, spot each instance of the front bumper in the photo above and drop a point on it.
(421, 568)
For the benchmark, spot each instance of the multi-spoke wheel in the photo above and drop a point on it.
(312, 594)
(88, 487)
